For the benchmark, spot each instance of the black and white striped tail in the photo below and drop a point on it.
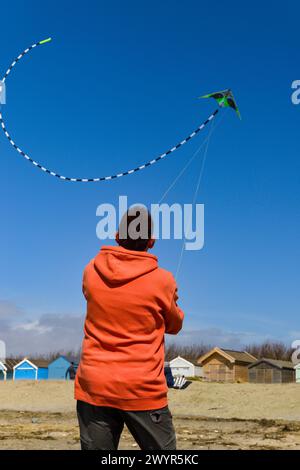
(103, 178)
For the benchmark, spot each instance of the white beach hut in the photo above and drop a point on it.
(297, 369)
(180, 366)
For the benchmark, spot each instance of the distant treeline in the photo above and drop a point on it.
(191, 353)
(268, 349)
(51, 356)
(271, 350)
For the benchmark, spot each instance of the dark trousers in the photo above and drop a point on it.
(101, 427)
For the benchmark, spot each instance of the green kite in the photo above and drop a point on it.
(225, 99)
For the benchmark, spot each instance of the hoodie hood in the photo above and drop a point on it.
(116, 265)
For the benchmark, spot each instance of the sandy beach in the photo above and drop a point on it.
(41, 415)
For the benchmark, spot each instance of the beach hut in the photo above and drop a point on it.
(42, 366)
(180, 366)
(7, 368)
(25, 370)
(226, 365)
(36, 369)
(297, 370)
(269, 371)
(58, 367)
(3, 371)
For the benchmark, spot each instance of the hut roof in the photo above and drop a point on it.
(230, 354)
(240, 356)
(187, 361)
(70, 359)
(10, 363)
(194, 362)
(275, 362)
(40, 363)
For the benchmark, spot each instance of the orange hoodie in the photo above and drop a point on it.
(131, 304)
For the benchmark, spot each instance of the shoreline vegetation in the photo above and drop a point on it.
(267, 349)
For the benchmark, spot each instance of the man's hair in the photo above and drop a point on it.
(135, 229)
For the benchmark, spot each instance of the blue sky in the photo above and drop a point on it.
(118, 86)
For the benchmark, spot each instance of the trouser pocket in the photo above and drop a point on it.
(157, 416)
(152, 429)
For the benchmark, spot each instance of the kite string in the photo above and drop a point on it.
(213, 129)
(101, 178)
(195, 198)
(177, 178)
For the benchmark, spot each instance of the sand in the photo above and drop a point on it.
(41, 415)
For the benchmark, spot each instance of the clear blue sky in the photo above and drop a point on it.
(117, 86)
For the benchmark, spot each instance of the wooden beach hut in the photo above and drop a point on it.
(226, 365)
(268, 371)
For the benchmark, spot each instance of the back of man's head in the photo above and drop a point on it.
(135, 229)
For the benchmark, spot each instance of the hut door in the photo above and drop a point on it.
(213, 372)
(264, 376)
(260, 376)
(222, 372)
(219, 373)
(268, 376)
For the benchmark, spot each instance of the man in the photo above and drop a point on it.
(71, 372)
(131, 304)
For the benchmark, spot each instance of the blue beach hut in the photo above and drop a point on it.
(31, 370)
(57, 369)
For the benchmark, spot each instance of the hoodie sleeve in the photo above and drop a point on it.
(84, 283)
(174, 317)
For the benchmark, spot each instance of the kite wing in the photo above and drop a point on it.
(232, 104)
